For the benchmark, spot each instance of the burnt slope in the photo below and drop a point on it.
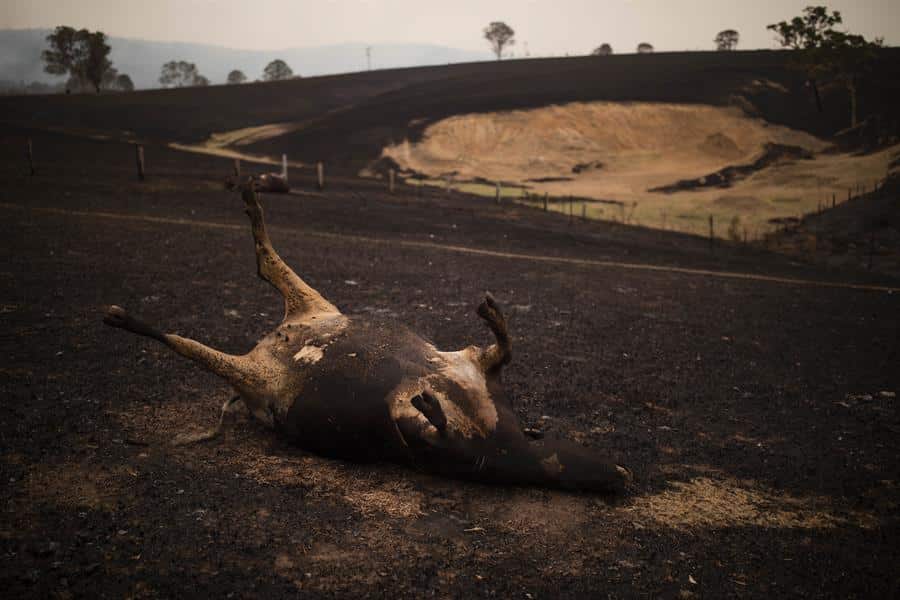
(378, 106)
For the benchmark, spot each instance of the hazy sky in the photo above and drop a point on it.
(548, 26)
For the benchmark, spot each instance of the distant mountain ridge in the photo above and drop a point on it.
(20, 58)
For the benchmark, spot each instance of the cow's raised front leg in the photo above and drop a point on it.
(496, 355)
(299, 298)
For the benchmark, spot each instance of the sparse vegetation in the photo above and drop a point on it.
(645, 48)
(236, 77)
(602, 50)
(727, 40)
(499, 35)
(82, 54)
(181, 74)
(824, 52)
(277, 70)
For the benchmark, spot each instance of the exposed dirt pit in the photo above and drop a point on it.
(661, 142)
(621, 151)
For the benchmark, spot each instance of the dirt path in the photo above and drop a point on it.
(479, 251)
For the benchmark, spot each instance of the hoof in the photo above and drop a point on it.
(489, 310)
(116, 317)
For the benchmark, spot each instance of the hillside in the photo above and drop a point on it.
(679, 137)
(387, 106)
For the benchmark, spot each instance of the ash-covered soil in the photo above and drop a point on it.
(759, 416)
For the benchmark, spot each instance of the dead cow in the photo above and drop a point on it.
(356, 388)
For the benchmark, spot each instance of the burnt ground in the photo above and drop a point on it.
(758, 416)
(864, 231)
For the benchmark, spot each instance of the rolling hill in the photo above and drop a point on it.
(698, 114)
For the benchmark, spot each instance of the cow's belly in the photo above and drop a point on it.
(342, 413)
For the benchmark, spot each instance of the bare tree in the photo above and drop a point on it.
(277, 70)
(645, 48)
(499, 35)
(727, 40)
(236, 77)
(602, 50)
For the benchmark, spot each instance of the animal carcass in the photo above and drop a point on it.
(363, 389)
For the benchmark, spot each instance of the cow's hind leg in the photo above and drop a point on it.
(498, 354)
(299, 298)
(231, 406)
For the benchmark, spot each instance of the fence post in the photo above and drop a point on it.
(391, 180)
(833, 199)
(584, 211)
(545, 201)
(140, 162)
(29, 151)
(712, 232)
(849, 194)
(237, 168)
(320, 175)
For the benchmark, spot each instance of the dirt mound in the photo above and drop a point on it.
(720, 145)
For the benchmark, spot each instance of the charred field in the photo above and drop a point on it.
(752, 394)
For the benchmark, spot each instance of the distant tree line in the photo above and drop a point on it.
(180, 73)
